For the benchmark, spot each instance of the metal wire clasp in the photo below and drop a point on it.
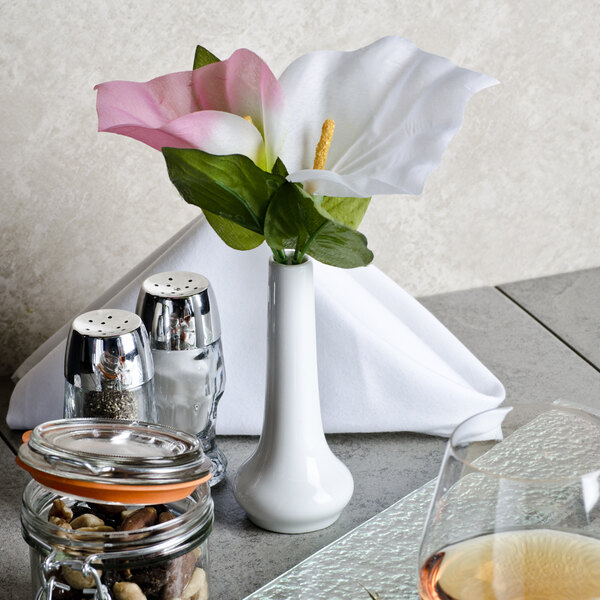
(49, 582)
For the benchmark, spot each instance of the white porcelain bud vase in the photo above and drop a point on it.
(292, 483)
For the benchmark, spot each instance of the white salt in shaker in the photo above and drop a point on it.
(180, 312)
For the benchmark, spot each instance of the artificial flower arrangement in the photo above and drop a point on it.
(295, 160)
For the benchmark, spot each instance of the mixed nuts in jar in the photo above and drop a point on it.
(90, 533)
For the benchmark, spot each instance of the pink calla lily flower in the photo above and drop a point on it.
(202, 109)
(395, 108)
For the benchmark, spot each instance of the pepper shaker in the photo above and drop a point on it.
(108, 367)
(180, 312)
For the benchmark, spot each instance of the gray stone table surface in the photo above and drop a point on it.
(534, 364)
(14, 556)
(568, 304)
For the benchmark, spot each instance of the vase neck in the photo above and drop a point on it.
(292, 390)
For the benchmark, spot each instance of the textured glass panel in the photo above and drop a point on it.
(382, 553)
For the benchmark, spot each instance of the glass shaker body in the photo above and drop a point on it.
(180, 312)
(134, 404)
(188, 386)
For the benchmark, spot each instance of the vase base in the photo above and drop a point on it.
(293, 527)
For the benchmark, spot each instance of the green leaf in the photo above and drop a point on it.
(294, 219)
(279, 168)
(233, 235)
(349, 211)
(204, 57)
(231, 187)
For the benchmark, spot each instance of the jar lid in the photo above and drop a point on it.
(114, 461)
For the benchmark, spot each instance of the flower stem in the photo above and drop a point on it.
(299, 254)
(279, 256)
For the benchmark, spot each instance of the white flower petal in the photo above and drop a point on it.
(396, 108)
(329, 183)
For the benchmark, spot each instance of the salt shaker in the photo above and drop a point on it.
(180, 312)
(108, 367)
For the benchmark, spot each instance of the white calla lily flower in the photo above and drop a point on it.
(395, 107)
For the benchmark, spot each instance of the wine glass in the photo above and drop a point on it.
(516, 511)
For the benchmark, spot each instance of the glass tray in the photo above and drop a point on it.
(381, 555)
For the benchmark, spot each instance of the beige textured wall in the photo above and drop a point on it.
(515, 196)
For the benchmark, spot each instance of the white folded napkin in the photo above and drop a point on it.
(385, 363)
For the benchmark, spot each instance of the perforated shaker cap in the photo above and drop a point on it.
(179, 310)
(108, 334)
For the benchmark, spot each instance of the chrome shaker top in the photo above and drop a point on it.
(108, 346)
(179, 310)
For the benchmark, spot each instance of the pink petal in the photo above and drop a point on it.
(150, 104)
(245, 86)
(212, 131)
(218, 133)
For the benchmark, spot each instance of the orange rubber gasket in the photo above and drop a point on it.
(120, 493)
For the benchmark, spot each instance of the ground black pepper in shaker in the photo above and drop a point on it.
(112, 401)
